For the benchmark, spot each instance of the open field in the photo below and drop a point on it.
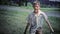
(43, 9)
(14, 22)
(28, 8)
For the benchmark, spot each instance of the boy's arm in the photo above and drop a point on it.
(26, 28)
(47, 21)
(28, 23)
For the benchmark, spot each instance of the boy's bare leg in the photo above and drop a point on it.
(39, 31)
(32, 33)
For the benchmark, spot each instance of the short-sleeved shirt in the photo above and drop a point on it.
(36, 21)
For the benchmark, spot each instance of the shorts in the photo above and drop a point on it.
(36, 30)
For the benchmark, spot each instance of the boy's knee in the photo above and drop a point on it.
(39, 31)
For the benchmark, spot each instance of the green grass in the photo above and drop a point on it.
(55, 23)
(14, 22)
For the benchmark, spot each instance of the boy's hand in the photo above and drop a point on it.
(24, 32)
(52, 30)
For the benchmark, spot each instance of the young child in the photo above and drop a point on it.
(35, 20)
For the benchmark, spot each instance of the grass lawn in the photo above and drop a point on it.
(14, 22)
(55, 22)
(43, 9)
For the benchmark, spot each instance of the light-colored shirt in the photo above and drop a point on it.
(36, 21)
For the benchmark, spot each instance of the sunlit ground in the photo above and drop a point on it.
(14, 22)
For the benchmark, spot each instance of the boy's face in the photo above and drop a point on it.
(36, 6)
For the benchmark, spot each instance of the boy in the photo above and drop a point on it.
(35, 20)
